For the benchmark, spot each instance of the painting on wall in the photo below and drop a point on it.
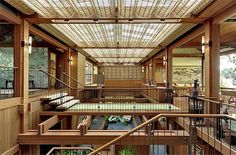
(186, 74)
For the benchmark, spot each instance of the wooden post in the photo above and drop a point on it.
(67, 56)
(74, 122)
(154, 66)
(169, 55)
(212, 62)
(17, 61)
(21, 60)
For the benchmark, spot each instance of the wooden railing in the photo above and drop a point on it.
(41, 84)
(94, 79)
(214, 138)
(74, 80)
(59, 80)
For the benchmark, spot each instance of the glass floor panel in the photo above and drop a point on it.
(123, 106)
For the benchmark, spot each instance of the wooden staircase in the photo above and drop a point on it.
(59, 101)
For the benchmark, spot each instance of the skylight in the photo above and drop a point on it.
(114, 35)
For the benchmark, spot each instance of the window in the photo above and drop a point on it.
(88, 73)
(228, 70)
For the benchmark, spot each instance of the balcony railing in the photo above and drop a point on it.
(94, 79)
(201, 135)
(73, 80)
(47, 85)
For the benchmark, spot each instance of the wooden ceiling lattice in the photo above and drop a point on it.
(117, 34)
(110, 8)
(118, 55)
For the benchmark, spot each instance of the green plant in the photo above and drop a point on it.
(126, 151)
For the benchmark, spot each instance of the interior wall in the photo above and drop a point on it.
(35, 108)
(81, 68)
(10, 127)
(122, 76)
(73, 69)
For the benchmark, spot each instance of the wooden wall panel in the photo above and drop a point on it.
(123, 83)
(34, 120)
(81, 68)
(74, 68)
(9, 128)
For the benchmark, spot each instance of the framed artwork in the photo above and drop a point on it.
(186, 74)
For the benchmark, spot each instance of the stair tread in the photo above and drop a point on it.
(61, 100)
(54, 96)
(67, 105)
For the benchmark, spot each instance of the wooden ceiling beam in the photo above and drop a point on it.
(222, 17)
(9, 16)
(222, 44)
(115, 20)
(210, 11)
(117, 57)
(48, 38)
(188, 37)
(122, 47)
(188, 55)
(228, 52)
(34, 44)
(228, 44)
(215, 7)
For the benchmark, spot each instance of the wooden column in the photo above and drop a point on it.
(25, 77)
(74, 122)
(67, 62)
(154, 66)
(169, 55)
(21, 60)
(18, 61)
(74, 68)
(212, 61)
(67, 56)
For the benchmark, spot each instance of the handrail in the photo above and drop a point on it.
(41, 70)
(1, 66)
(216, 102)
(227, 88)
(63, 73)
(148, 122)
(208, 100)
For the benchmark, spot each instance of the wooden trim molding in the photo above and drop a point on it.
(8, 103)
